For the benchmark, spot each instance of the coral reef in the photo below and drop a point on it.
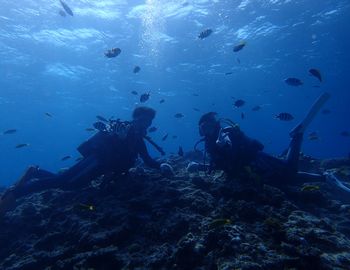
(188, 221)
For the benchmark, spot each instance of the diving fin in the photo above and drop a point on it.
(315, 108)
(332, 179)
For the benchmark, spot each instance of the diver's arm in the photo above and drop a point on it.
(150, 162)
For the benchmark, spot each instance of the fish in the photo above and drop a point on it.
(152, 129)
(114, 52)
(21, 145)
(144, 97)
(345, 133)
(219, 222)
(326, 111)
(316, 86)
(179, 115)
(162, 101)
(239, 103)
(101, 118)
(195, 95)
(48, 114)
(228, 73)
(174, 136)
(62, 13)
(180, 152)
(196, 109)
(65, 158)
(79, 158)
(66, 8)
(238, 61)
(313, 136)
(136, 69)
(310, 188)
(293, 81)
(10, 131)
(242, 116)
(205, 33)
(316, 73)
(134, 93)
(165, 137)
(284, 116)
(256, 108)
(239, 46)
(90, 129)
(88, 207)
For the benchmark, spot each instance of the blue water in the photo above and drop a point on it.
(56, 64)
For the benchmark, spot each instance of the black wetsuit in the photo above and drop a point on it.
(103, 153)
(244, 151)
(232, 158)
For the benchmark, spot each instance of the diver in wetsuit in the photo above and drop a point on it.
(114, 149)
(233, 152)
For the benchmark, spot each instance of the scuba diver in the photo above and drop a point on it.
(114, 149)
(233, 152)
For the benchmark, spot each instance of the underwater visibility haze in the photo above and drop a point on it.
(191, 57)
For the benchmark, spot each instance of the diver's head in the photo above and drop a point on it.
(209, 125)
(142, 119)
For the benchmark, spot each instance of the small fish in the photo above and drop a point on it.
(238, 61)
(228, 73)
(326, 111)
(316, 86)
(65, 158)
(256, 108)
(88, 207)
(48, 114)
(239, 46)
(165, 137)
(285, 116)
(79, 158)
(136, 69)
(174, 136)
(195, 95)
(62, 170)
(313, 136)
(144, 97)
(219, 222)
(134, 93)
(196, 109)
(310, 188)
(316, 73)
(345, 133)
(114, 52)
(239, 103)
(90, 129)
(162, 101)
(293, 81)
(204, 34)
(179, 115)
(180, 152)
(101, 118)
(22, 145)
(66, 8)
(152, 129)
(62, 13)
(242, 116)
(10, 131)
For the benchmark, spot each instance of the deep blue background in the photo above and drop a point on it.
(55, 64)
